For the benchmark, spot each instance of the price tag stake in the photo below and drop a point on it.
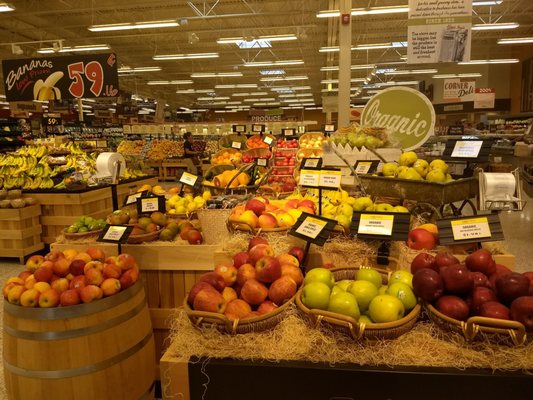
(148, 205)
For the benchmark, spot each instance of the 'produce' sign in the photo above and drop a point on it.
(56, 78)
(407, 113)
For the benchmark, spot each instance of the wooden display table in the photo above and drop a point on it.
(20, 231)
(124, 189)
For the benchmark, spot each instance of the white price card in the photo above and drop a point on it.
(375, 224)
(188, 179)
(262, 162)
(236, 145)
(149, 204)
(311, 162)
(467, 148)
(268, 140)
(115, 233)
(288, 132)
(309, 177)
(472, 228)
(330, 179)
(363, 167)
(132, 198)
(311, 227)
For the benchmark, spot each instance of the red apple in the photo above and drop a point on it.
(267, 269)
(54, 255)
(49, 298)
(481, 261)
(494, 309)
(478, 296)
(229, 294)
(418, 239)
(528, 275)
(94, 277)
(214, 279)
(297, 252)
(245, 272)
(257, 206)
(256, 240)
(456, 279)
(196, 289)
(254, 292)
(97, 265)
(237, 309)
(259, 251)
(522, 311)
(444, 258)
(288, 259)
(34, 262)
(194, 236)
(69, 297)
(210, 301)
(293, 272)
(78, 282)
(43, 274)
(96, 254)
(267, 221)
(61, 266)
(110, 286)
(453, 307)
(111, 271)
(282, 289)
(23, 275)
(241, 258)
(511, 286)
(427, 284)
(125, 261)
(129, 277)
(228, 272)
(90, 293)
(60, 285)
(266, 306)
(423, 260)
(480, 279)
(77, 267)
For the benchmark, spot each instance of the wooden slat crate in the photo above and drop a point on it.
(20, 232)
(125, 189)
(59, 210)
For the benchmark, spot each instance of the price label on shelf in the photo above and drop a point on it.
(467, 148)
(312, 228)
(375, 224)
(236, 145)
(288, 132)
(147, 205)
(363, 167)
(312, 162)
(261, 162)
(268, 140)
(472, 228)
(132, 198)
(115, 234)
(330, 179)
(188, 179)
(309, 177)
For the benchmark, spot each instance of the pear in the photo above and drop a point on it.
(408, 158)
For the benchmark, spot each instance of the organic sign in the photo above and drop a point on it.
(407, 113)
(56, 78)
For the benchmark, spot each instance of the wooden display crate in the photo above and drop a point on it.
(124, 189)
(59, 210)
(20, 231)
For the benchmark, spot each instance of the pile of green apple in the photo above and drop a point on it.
(86, 224)
(359, 137)
(409, 166)
(367, 298)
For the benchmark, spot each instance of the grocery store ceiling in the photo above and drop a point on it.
(36, 24)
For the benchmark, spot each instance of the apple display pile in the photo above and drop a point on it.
(70, 277)
(423, 237)
(86, 224)
(256, 283)
(366, 299)
(476, 287)
(409, 166)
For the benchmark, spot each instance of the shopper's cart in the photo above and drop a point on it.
(433, 199)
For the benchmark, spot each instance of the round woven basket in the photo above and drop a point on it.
(83, 235)
(213, 223)
(147, 237)
(244, 227)
(349, 326)
(259, 152)
(511, 333)
(230, 151)
(202, 319)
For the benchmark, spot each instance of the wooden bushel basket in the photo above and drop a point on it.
(100, 350)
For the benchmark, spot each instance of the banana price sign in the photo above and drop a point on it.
(57, 78)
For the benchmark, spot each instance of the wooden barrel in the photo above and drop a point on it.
(100, 350)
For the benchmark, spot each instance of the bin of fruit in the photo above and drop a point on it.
(257, 141)
(227, 157)
(364, 303)
(84, 228)
(147, 228)
(228, 140)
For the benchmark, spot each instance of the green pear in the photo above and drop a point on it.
(408, 158)
(422, 167)
(362, 203)
(383, 207)
(438, 164)
(436, 175)
(401, 170)
(400, 209)
(389, 169)
(412, 174)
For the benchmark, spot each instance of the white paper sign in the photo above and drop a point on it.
(473, 228)
(458, 90)
(311, 163)
(309, 178)
(375, 224)
(115, 233)
(188, 179)
(236, 145)
(363, 167)
(262, 162)
(467, 148)
(268, 140)
(311, 227)
(132, 198)
(484, 98)
(330, 179)
(150, 204)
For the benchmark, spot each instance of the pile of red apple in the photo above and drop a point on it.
(256, 283)
(70, 277)
(248, 159)
(476, 287)
(287, 144)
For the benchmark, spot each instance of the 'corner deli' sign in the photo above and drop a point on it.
(56, 78)
(407, 113)
(458, 90)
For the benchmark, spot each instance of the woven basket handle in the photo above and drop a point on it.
(516, 330)
(356, 330)
(233, 225)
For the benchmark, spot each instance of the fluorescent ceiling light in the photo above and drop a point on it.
(237, 86)
(138, 69)
(134, 25)
(487, 2)
(270, 38)
(272, 72)
(212, 98)
(285, 78)
(178, 82)
(75, 49)
(361, 66)
(372, 46)
(284, 88)
(249, 94)
(411, 72)
(5, 7)
(495, 26)
(215, 74)
(493, 61)
(184, 91)
(465, 75)
(326, 81)
(272, 63)
(517, 40)
(164, 57)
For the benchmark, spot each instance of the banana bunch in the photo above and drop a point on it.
(37, 151)
(46, 183)
(46, 90)
(130, 173)
(41, 170)
(73, 148)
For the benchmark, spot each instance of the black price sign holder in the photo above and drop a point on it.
(257, 128)
(364, 167)
(471, 149)
(132, 198)
(150, 204)
(380, 225)
(314, 230)
(288, 132)
(238, 128)
(191, 180)
(310, 163)
(268, 140)
(321, 179)
(117, 234)
(473, 229)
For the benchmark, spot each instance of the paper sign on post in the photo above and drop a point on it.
(268, 140)
(309, 178)
(147, 205)
(236, 145)
(375, 224)
(311, 227)
(115, 234)
(188, 179)
(330, 179)
(261, 162)
(467, 148)
(472, 228)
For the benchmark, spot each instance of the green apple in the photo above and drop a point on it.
(422, 167)
(404, 293)
(344, 303)
(372, 142)
(383, 207)
(362, 203)
(386, 308)
(365, 319)
(364, 292)
(389, 169)
(436, 175)
(408, 158)
(401, 276)
(343, 221)
(400, 172)
(344, 284)
(412, 174)
(400, 209)
(336, 290)
(370, 275)
(438, 164)
(383, 289)
(316, 295)
(323, 275)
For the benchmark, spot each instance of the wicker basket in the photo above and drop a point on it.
(245, 227)
(82, 235)
(213, 223)
(231, 152)
(481, 328)
(349, 326)
(147, 237)
(226, 141)
(259, 152)
(202, 319)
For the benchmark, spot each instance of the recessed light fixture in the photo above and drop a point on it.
(495, 26)
(272, 63)
(372, 46)
(336, 67)
(249, 94)
(75, 49)
(326, 81)
(237, 86)
(518, 40)
(176, 82)
(272, 72)
(166, 57)
(138, 69)
(215, 74)
(134, 25)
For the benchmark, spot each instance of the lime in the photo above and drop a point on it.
(93, 226)
(83, 229)
(89, 220)
(72, 229)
